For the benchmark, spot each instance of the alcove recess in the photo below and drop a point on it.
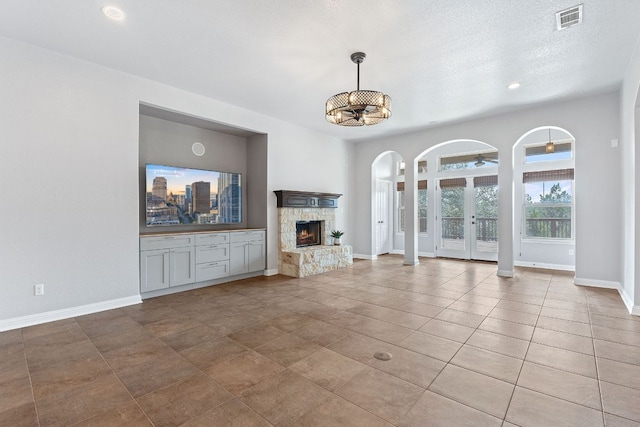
(166, 137)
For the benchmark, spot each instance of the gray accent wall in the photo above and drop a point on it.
(169, 143)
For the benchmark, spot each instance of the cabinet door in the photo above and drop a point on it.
(183, 266)
(256, 256)
(238, 258)
(154, 270)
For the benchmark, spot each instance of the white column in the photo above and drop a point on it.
(505, 214)
(411, 213)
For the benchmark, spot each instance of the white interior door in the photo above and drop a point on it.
(382, 215)
(467, 219)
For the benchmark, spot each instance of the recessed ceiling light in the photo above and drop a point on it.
(514, 85)
(113, 12)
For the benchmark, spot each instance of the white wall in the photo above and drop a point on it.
(70, 149)
(630, 157)
(593, 121)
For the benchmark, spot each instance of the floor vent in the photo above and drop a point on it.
(569, 17)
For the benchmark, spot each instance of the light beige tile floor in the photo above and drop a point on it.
(468, 349)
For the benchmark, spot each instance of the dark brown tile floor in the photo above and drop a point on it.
(468, 348)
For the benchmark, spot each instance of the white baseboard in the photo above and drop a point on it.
(396, 251)
(596, 283)
(65, 313)
(608, 284)
(427, 254)
(271, 272)
(505, 273)
(363, 256)
(545, 265)
(633, 309)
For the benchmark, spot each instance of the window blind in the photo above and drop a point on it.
(542, 176)
(453, 183)
(485, 181)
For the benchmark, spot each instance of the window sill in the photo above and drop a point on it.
(550, 241)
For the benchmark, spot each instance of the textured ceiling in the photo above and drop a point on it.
(440, 61)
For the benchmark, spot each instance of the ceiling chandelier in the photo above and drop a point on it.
(359, 107)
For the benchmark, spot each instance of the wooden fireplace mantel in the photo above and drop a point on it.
(305, 199)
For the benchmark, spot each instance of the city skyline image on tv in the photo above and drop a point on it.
(177, 195)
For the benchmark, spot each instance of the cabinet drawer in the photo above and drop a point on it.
(247, 236)
(210, 253)
(166, 242)
(212, 270)
(212, 238)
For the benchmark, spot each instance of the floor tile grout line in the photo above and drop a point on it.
(524, 358)
(595, 356)
(117, 376)
(26, 362)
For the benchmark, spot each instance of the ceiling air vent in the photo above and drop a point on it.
(568, 17)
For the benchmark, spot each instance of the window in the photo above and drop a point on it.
(538, 153)
(548, 204)
(469, 161)
(422, 167)
(423, 204)
(400, 197)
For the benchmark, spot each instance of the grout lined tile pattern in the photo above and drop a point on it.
(468, 347)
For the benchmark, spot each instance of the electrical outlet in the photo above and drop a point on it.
(38, 289)
(570, 251)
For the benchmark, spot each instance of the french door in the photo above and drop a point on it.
(383, 195)
(467, 218)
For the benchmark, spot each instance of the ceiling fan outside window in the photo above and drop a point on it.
(469, 161)
(481, 160)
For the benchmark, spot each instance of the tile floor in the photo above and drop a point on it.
(468, 349)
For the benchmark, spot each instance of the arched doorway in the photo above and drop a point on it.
(544, 202)
(460, 185)
(385, 170)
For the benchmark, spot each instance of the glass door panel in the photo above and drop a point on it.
(453, 232)
(485, 231)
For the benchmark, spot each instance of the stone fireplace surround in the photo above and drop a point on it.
(307, 261)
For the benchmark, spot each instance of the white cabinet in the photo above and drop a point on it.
(181, 259)
(247, 252)
(166, 261)
(182, 266)
(154, 270)
(212, 256)
(256, 255)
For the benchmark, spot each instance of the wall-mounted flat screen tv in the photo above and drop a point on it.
(177, 195)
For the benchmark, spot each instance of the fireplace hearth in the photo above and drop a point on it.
(308, 233)
(305, 220)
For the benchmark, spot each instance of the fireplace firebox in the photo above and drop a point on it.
(308, 233)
